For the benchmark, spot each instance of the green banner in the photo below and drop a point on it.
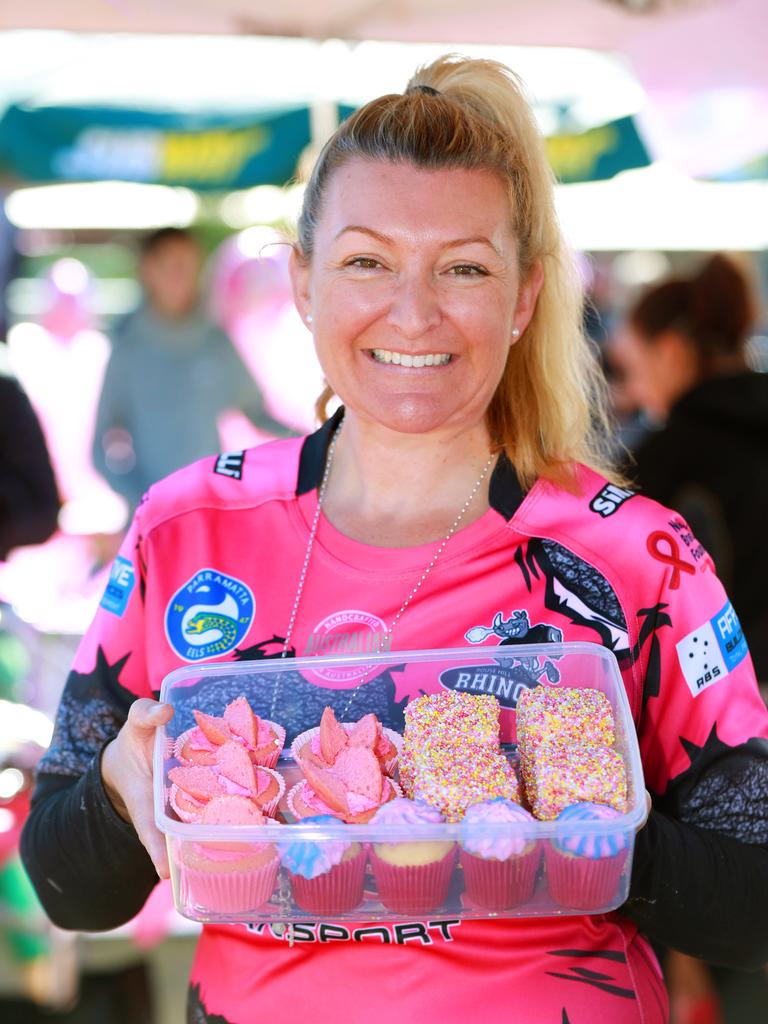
(219, 152)
(201, 151)
(597, 153)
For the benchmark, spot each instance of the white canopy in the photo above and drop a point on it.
(701, 62)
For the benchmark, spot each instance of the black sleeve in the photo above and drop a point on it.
(700, 872)
(701, 892)
(29, 500)
(86, 863)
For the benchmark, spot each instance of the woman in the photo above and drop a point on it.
(683, 356)
(683, 353)
(448, 489)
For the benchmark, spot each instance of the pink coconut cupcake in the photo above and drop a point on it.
(584, 866)
(352, 789)
(500, 862)
(233, 774)
(239, 776)
(229, 877)
(323, 744)
(326, 875)
(412, 876)
(263, 739)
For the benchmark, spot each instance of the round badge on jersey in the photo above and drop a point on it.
(209, 615)
(347, 632)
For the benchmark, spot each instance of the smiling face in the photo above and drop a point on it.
(415, 294)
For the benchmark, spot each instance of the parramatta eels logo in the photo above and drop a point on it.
(209, 615)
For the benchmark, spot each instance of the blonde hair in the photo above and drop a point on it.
(548, 411)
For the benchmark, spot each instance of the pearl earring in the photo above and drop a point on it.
(515, 332)
(309, 318)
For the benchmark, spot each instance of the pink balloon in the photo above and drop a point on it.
(70, 298)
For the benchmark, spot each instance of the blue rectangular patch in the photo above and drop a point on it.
(729, 635)
(122, 579)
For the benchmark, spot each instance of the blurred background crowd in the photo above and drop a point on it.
(151, 160)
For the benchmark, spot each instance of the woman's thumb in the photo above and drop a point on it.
(149, 714)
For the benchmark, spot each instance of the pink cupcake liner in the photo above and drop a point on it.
(500, 884)
(388, 766)
(267, 761)
(581, 883)
(413, 890)
(187, 817)
(292, 793)
(178, 746)
(228, 892)
(294, 790)
(270, 809)
(337, 891)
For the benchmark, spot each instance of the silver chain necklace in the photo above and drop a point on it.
(419, 583)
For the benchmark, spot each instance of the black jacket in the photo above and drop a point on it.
(29, 502)
(710, 463)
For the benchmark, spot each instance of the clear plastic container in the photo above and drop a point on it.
(390, 872)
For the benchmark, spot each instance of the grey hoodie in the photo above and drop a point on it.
(166, 383)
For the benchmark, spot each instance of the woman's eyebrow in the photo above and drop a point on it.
(387, 240)
(365, 231)
(472, 240)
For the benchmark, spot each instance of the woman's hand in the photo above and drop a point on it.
(126, 771)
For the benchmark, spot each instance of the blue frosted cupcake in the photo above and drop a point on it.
(327, 875)
(584, 867)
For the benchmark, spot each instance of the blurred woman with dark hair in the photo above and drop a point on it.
(683, 352)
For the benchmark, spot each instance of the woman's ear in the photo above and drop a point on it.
(527, 295)
(672, 369)
(298, 268)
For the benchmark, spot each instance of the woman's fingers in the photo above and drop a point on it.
(127, 772)
(150, 835)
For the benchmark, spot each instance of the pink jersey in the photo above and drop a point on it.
(224, 541)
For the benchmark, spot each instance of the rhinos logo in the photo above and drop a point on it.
(516, 629)
(511, 674)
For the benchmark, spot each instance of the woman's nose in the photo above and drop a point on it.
(415, 307)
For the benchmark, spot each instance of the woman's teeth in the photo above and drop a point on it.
(383, 355)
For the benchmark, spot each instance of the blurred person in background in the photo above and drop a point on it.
(38, 967)
(682, 356)
(29, 500)
(171, 374)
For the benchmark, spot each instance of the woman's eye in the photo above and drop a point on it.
(363, 262)
(468, 270)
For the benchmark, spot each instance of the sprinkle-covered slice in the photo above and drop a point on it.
(567, 713)
(563, 774)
